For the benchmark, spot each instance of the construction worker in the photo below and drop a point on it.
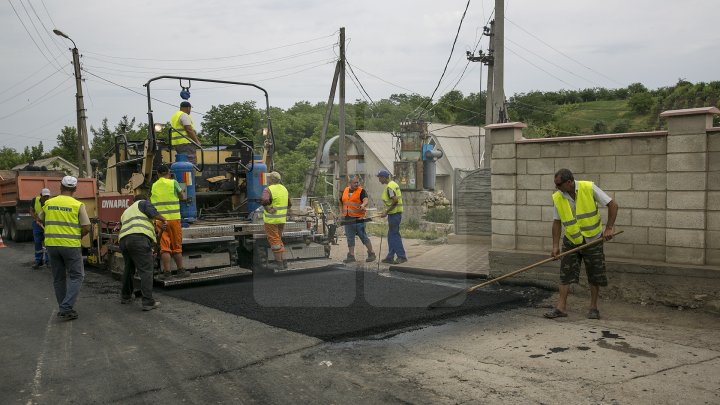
(276, 202)
(392, 199)
(66, 222)
(165, 195)
(36, 207)
(183, 128)
(353, 202)
(137, 238)
(576, 210)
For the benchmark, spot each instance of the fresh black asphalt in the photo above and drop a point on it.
(339, 303)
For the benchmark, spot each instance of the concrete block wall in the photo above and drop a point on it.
(666, 183)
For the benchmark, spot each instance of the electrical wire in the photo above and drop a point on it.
(39, 100)
(551, 62)
(32, 21)
(214, 58)
(358, 80)
(457, 34)
(30, 35)
(539, 68)
(562, 53)
(31, 87)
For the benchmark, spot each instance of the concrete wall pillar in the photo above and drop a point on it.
(686, 217)
(503, 168)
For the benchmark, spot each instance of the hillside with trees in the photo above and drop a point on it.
(297, 129)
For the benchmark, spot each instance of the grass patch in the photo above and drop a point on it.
(408, 230)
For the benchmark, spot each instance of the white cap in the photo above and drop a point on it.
(69, 181)
(45, 191)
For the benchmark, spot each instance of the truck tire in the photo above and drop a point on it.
(12, 233)
(6, 226)
(23, 236)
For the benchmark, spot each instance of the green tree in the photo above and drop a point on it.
(241, 119)
(641, 103)
(67, 145)
(10, 158)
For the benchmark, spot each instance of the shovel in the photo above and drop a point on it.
(503, 277)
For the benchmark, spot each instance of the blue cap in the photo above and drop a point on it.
(383, 173)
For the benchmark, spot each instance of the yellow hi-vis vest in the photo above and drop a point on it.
(386, 198)
(176, 137)
(62, 223)
(351, 204)
(164, 199)
(135, 222)
(586, 222)
(280, 202)
(37, 205)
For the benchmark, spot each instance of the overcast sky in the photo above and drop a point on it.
(289, 47)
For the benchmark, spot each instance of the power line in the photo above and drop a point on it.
(47, 31)
(551, 62)
(25, 79)
(39, 100)
(538, 67)
(563, 54)
(457, 34)
(30, 88)
(358, 80)
(30, 35)
(215, 58)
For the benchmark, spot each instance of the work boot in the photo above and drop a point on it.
(400, 260)
(350, 259)
(165, 275)
(182, 273)
(150, 307)
(36, 266)
(128, 300)
(388, 260)
(371, 257)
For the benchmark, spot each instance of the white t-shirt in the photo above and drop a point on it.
(601, 198)
(185, 120)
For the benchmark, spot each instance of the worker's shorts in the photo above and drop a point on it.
(274, 236)
(351, 230)
(171, 240)
(594, 259)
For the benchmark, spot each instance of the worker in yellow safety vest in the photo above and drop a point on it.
(183, 132)
(137, 238)
(576, 211)
(165, 195)
(276, 202)
(66, 222)
(41, 256)
(392, 199)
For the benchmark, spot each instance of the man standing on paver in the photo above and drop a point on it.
(353, 202)
(137, 238)
(165, 196)
(576, 210)
(392, 198)
(66, 222)
(276, 203)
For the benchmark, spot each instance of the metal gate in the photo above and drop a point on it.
(473, 202)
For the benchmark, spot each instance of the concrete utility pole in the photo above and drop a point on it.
(498, 105)
(487, 60)
(83, 149)
(342, 157)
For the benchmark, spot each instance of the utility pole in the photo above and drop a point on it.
(83, 150)
(499, 113)
(487, 60)
(342, 158)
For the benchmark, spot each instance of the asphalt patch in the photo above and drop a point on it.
(338, 303)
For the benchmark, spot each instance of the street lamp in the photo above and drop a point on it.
(83, 149)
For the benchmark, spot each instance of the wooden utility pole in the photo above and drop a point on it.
(342, 158)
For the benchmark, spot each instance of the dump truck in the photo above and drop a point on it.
(16, 196)
(223, 232)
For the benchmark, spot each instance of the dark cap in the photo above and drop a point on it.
(163, 169)
(383, 173)
(185, 104)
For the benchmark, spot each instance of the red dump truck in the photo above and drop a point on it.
(16, 195)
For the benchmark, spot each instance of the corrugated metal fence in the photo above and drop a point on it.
(472, 202)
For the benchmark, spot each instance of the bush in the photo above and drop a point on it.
(441, 215)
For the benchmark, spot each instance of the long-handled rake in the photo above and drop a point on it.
(468, 290)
